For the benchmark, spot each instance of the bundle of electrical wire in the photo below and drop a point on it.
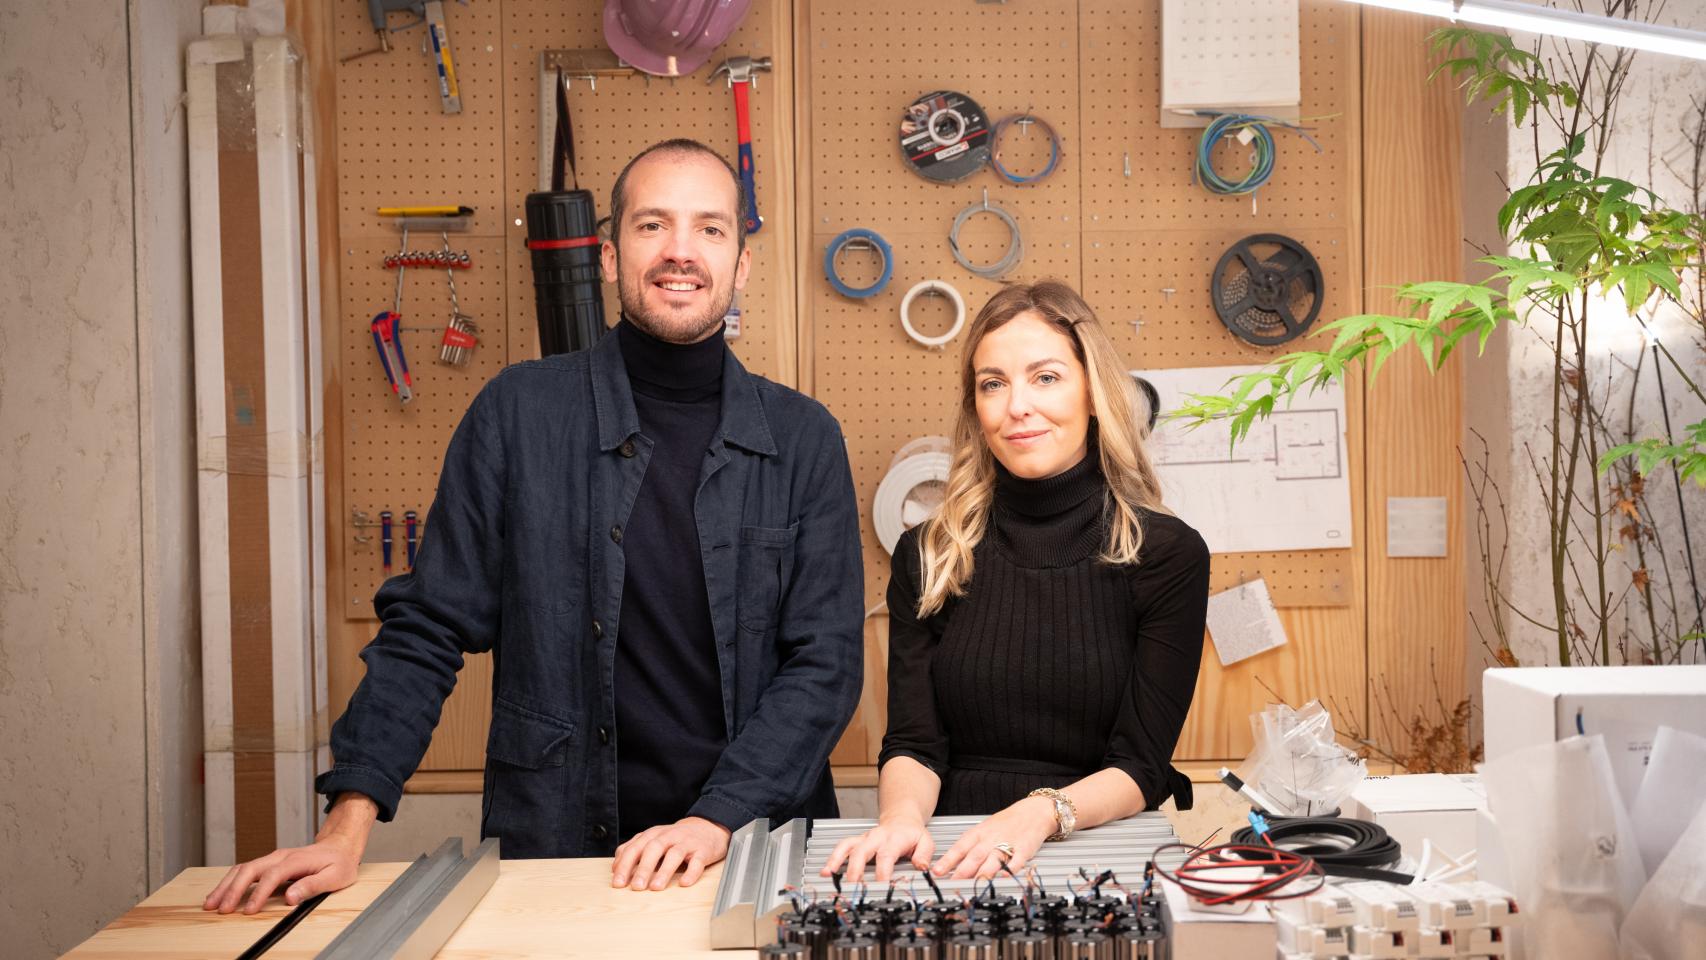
(1342, 847)
(995, 143)
(1262, 141)
(1221, 874)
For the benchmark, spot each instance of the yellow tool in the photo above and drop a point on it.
(443, 210)
(431, 13)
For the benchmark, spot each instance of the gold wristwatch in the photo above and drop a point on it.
(1065, 811)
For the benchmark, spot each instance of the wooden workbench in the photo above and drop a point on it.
(537, 908)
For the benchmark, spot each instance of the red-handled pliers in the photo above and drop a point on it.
(386, 326)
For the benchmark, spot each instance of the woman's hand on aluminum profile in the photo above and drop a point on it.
(882, 846)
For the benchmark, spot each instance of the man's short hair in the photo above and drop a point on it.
(679, 145)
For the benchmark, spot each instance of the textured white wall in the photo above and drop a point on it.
(1509, 392)
(99, 696)
(1648, 131)
(71, 697)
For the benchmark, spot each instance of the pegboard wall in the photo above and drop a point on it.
(1119, 218)
(1140, 246)
(396, 147)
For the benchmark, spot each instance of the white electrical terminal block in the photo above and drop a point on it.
(1329, 908)
(1383, 906)
(1310, 940)
(1435, 945)
(1482, 942)
(1373, 944)
(1500, 905)
(1371, 920)
(1445, 906)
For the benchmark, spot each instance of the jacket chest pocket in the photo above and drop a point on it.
(766, 564)
(528, 802)
(527, 739)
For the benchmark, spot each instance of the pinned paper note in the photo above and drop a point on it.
(1243, 622)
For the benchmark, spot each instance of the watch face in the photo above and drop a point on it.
(1063, 810)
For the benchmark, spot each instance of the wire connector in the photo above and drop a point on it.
(1259, 824)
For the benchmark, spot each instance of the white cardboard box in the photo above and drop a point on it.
(1526, 706)
(1423, 806)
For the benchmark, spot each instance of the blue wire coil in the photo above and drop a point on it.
(995, 153)
(835, 247)
(1260, 171)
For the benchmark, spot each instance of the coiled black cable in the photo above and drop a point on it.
(1344, 847)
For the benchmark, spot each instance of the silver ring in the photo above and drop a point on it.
(1006, 850)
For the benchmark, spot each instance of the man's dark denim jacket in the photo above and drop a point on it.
(522, 556)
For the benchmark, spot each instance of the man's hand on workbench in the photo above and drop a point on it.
(651, 858)
(329, 863)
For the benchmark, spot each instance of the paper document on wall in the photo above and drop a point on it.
(1243, 622)
(1229, 53)
(1285, 486)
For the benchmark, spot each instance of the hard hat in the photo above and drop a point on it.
(670, 38)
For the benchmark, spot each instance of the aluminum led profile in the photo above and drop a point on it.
(1554, 22)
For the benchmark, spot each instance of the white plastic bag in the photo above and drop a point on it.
(1668, 921)
(1575, 868)
(1670, 794)
(1298, 763)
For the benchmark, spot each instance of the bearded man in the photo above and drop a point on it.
(661, 552)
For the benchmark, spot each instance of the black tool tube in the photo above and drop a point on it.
(562, 233)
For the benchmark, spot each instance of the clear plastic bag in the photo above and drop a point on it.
(1668, 921)
(1574, 865)
(1298, 763)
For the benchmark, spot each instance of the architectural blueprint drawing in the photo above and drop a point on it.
(1285, 486)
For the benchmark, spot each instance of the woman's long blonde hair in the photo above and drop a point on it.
(948, 539)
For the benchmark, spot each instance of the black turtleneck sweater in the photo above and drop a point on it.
(1054, 664)
(669, 704)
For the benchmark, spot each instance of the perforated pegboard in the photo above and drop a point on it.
(1121, 99)
(397, 147)
(392, 452)
(1179, 329)
(1140, 246)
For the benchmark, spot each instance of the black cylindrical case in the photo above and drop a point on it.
(562, 234)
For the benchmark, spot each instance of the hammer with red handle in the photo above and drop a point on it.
(743, 73)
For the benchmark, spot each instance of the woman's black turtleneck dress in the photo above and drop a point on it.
(1054, 664)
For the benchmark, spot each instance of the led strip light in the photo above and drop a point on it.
(1555, 22)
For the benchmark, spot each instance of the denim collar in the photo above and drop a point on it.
(743, 421)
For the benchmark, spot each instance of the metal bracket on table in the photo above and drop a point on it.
(419, 911)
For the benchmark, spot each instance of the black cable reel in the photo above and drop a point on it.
(1267, 289)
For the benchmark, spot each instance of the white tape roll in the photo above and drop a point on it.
(891, 511)
(946, 289)
(956, 118)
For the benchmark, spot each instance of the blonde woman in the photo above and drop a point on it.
(1045, 627)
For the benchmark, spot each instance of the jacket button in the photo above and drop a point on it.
(597, 629)
(599, 832)
(604, 735)
(616, 534)
(626, 449)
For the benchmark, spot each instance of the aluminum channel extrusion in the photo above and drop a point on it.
(420, 910)
(738, 890)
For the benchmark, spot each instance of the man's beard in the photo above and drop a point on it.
(671, 326)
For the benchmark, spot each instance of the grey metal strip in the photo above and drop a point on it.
(1124, 846)
(364, 934)
(786, 860)
(430, 927)
(738, 889)
(419, 910)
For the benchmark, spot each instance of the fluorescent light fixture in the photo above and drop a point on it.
(1553, 22)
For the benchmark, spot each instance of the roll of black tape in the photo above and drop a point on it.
(945, 136)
